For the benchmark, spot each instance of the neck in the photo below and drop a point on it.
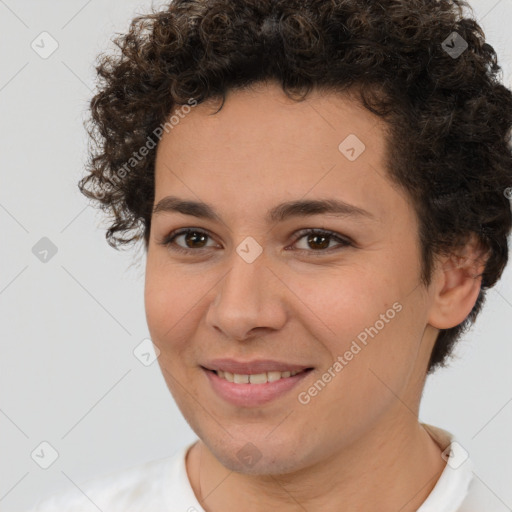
(389, 468)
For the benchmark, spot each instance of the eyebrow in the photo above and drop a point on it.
(281, 212)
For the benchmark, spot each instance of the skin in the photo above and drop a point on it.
(357, 445)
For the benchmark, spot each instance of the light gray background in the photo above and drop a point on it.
(69, 326)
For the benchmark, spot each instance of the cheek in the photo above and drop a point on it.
(368, 317)
(156, 301)
(170, 306)
(341, 304)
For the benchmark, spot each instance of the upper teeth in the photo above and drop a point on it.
(255, 378)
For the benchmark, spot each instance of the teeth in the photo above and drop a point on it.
(240, 379)
(258, 378)
(255, 378)
(273, 376)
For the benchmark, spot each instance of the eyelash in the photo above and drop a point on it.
(168, 241)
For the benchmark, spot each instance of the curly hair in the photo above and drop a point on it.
(449, 116)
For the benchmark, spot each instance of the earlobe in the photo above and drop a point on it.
(456, 285)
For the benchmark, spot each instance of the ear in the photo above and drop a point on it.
(456, 285)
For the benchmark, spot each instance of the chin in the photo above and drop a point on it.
(259, 456)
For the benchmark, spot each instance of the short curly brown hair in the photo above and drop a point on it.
(449, 116)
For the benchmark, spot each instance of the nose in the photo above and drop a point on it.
(250, 299)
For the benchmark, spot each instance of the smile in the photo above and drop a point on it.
(255, 378)
(255, 389)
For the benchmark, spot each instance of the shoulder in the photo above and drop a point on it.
(459, 488)
(136, 488)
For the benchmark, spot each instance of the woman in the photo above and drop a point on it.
(316, 244)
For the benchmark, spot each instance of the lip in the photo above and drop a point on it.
(252, 367)
(253, 395)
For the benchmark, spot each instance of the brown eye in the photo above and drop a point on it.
(196, 238)
(318, 240)
(193, 239)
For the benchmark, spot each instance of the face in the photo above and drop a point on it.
(249, 290)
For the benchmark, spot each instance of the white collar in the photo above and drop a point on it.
(447, 495)
(452, 486)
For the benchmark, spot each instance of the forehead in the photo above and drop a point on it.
(263, 147)
(263, 117)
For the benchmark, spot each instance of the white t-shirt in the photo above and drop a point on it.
(162, 485)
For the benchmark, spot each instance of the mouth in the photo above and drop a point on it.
(247, 390)
(256, 378)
